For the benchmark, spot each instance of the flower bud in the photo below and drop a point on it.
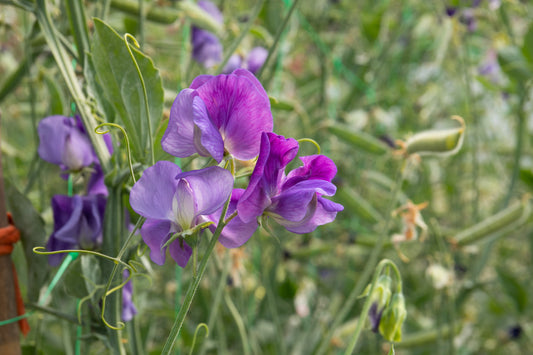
(379, 298)
(393, 317)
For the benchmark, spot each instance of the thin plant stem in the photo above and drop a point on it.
(281, 29)
(193, 287)
(367, 272)
(240, 324)
(368, 302)
(255, 12)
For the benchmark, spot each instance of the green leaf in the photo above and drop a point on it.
(90, 269)
(527, 46)
(359, 140)
(32, 235)
(513, 64)
(514, 289)
(119, 79)
(527, 177)
(57, 99)
(73, 282)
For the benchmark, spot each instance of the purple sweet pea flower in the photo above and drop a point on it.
(236, 232)
(206, 48)
(234, 62)
(173, 202)
(78, 223)
(294, 200)
(256, 59)
(63, 142)
(219, 114)
(128, 308)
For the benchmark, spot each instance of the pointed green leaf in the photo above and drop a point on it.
(117, 75)
(514, 289)
(32, 234)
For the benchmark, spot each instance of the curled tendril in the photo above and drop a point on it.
(126, 37)
(96, 130)
(310, 141)
(201, 325)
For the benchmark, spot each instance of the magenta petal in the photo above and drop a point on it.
(200, 80)
(211, 187)
(316, 167)
(179, 254)
(240, 111)
(319, 213)
(178, 139)
(207, 139)
(155, 233)
(236, 232)
(152, 195)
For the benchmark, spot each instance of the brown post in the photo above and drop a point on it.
(9, 333)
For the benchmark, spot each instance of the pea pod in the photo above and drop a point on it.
(359, 140)
(437, 142)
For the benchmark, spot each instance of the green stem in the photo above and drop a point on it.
(367, 272)
(193, 287)
(245, 31)
(277, 38)
(65, 67)
(368, 302)
(240, 324)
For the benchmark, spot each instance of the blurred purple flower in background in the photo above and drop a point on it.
(254, 61)
(63, 141)
(294, 200)
(174, 201)
(206, 47)
(217, 115)
(78, 223)
(128, 308)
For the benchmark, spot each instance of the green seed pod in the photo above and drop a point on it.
(437, 142)
(393, 317)
(356, 204)
(359, 140)
(499, 224)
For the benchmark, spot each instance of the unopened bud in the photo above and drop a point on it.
(380, 298)
(393, 317)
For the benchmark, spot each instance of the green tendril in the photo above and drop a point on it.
(126, 37)
(201, 325)
(130, 163)
(310, 141)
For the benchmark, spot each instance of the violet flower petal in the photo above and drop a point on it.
(314, 167)
(155, 233)
(96, 185)
(239, 109)
(211, 187)
(256, 58)
(128, 308)
(152, 195)
(234, 62)
(180, 255)
(207, 139)
(236, 232)
(52, 135)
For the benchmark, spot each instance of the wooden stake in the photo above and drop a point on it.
(9, 333)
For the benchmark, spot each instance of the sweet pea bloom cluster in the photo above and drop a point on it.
(228, 117)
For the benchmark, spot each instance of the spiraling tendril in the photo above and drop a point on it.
(130, 163)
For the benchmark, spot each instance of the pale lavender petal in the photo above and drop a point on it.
(207, 49)
(236, 232)
(181, 255)
(211, 187)
(128, 308)
(77, 150)
(234, 62)
(96, 185)
(239, 110)
(52, 135)
(320, 211)
(256, 59)
(155, 233)
(315, 167)
(184, 205)
(212, 10)
(178, 139)
(207, 139)
(152, 195)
